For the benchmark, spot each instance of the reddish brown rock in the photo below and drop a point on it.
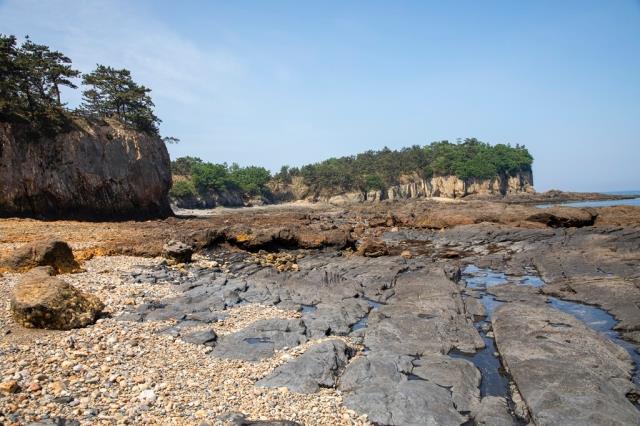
(54, 253)
(372, 248)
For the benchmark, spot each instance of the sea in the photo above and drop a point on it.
(602, 203)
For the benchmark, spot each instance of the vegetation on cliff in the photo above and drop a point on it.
(194, 178)
(31, 78)
(369, 171)
(377, 170)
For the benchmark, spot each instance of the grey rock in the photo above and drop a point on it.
(206, 337)
(460, 376)
(318, 367)
(239, 419)
(567, 373)
(177, 251)
(261, 339)
(493, 411)
(431, 303)
(384, 388)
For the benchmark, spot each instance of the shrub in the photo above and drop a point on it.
(183, 189)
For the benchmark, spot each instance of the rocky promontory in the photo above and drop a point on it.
(403, 312)
(101, 169)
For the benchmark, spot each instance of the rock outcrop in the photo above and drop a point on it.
(414, 186)
(42, 301)
(96, 171)
(455, 187)
(177, 251)
(566, 372)
(54, 253)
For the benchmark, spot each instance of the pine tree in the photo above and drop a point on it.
(112, 92)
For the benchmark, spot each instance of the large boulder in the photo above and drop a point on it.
(40, 300)
(54, 253)
(98, 170)
(177, 251)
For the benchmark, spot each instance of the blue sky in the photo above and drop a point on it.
(288, 82)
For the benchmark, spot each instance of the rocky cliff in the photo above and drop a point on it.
(442, 186)
(99, 170)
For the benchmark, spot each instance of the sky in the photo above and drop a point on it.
(287, 82)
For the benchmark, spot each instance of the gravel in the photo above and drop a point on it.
(120, 372)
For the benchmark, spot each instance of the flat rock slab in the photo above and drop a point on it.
(386, 388)
(425, 316)
(493, 411)
(567, 373)
(318, 367)
(261, 339)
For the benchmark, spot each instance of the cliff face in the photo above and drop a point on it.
(454, 187)
(443, 186)
(97, 171)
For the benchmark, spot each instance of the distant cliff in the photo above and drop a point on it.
(413, 186)
(98, 170)
(440, 169)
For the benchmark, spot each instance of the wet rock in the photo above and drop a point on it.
(43, 301)
(261, 339)
(493, 411)
(177, 251)
(567, 373)
(384, 388)
(54, 253)
(318, 367)
(474, 307)
(517, 293)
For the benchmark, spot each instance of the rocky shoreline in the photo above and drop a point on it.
(411, 312)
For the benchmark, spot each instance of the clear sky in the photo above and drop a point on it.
(291, 82)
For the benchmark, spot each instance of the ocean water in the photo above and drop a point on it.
(603, 203)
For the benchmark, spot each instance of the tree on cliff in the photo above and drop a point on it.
(32, 75)
(112, 92)
(374, 170)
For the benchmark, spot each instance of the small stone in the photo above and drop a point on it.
(57, 387)
(147, 397)
(406, 254)
(10, 386)
(34, 387)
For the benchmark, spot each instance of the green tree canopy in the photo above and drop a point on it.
(112, 92)
(31, 76)
(372, 170)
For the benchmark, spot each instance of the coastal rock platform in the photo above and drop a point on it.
(473, 312)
